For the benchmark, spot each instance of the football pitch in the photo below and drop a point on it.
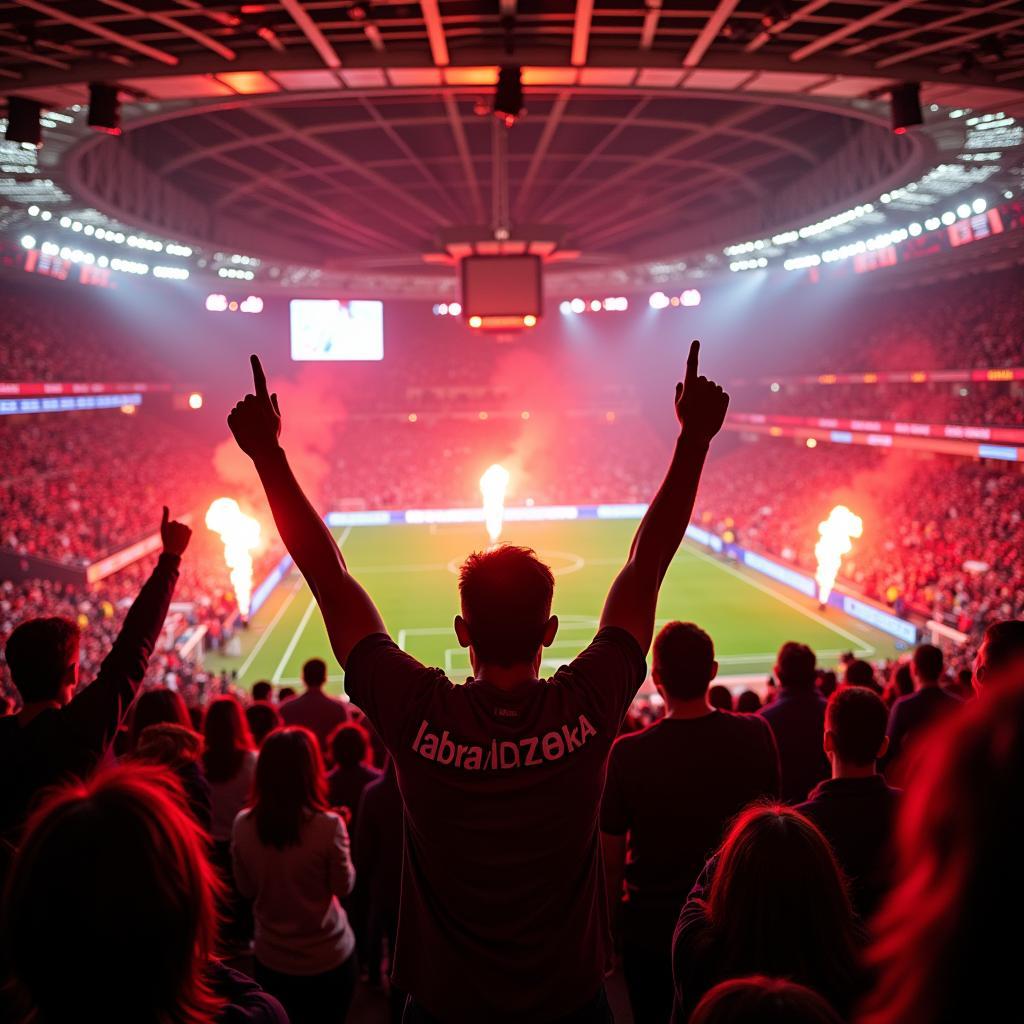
(410, 571)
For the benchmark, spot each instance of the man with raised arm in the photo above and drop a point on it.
(503, 915)
(59, 733)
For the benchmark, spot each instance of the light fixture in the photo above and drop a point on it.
(23, 121)
(905, 106)
(104, 108)
(508, 95)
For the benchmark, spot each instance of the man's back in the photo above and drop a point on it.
(797, 718)
(502, 879)
(856, 816)
(673, 788)
(315, 711)
(913, 715)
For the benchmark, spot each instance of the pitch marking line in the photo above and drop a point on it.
(271, 626)
(303, 622)
(820, 619)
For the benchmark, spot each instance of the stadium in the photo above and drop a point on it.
(339, 363)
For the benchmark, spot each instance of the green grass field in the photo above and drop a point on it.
(410, 573)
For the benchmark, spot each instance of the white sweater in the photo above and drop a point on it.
(301, 927)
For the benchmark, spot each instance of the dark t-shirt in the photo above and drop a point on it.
(673, 788)
(503, 914)
(910, 718)
(797, 718)
(315, 711)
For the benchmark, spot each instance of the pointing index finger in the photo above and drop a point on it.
(259, 378)
(691, 360)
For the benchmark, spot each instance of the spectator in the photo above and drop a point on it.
(352, 772)
(771, 901)
(377, 851)
(263, 692)
(855, 809)
(263, 718)
(230, 763)
(797, 718)
(286, 693)
(760, 1000)
(156, 706)
(912, 716)
(1000, 660)
(670, 793)
(59, 733)
(314, 710)
(860, 673)
(180, 748)
(945, 949)
(963, 685)
(826, 682)
(291, 856)
(113, 872)
(720, 698)
(901, 684)
(748, 703)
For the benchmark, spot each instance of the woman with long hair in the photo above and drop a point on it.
(772, 901)
(945, 949)
(109, 912)
(229, 759)
(291, 857)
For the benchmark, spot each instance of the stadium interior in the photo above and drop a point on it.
(467, 234)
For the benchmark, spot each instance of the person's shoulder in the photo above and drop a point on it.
(245, 1001)
(741, 726)
(635, 743)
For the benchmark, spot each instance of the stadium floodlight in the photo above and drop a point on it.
(914, 229)
(949, 217)
(963, 210)
(508, 96)
(979, 205)
(216, 303)
(28, 242)
(529, 320)
(564, 308)
(195, 400)
(905, 106)
(577, 305)
(104, 108)
(658, 300)
(23, 121)
(691, 297)
(454, 309)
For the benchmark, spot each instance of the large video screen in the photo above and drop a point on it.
(330, 330)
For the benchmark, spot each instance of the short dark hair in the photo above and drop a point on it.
(285, 693)
(761, 1000)
(860, 673)
(928, 662)
(506, 602)
(720, 697)
(1003, 642)
(684, 658)
(857, 719)
(263, 719)
(349, 744)
(748, 703)
(795, 666)
(314, 673)
(262, 690)
(39, 653)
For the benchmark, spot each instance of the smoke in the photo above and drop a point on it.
(312, 416)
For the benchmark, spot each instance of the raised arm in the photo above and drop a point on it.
(700, 408)
(348, 612)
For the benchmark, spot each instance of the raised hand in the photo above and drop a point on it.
(701, 404)
(256, 420)
(174, 535)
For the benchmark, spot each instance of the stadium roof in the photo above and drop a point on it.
(356, 138)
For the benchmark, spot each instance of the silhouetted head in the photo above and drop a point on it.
(262, 691)
(314, 673)
(855, 725)
(285, 693)
(1000, 659)
(684, 662)
(349, 745)
(761, 1000)
(289, 785)
(720, 698)
(263, 719)
(506, 615)
(157, 707)
(109, 910)
(42, 655)
(778, 904)
(748, 703)
(795, 666)
(926, 665)
(859, 673)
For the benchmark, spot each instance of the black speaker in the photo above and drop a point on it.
(508, 95)
(23, 121)
(104, 108)
(906, 107)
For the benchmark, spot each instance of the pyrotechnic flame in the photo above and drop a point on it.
(240, 534)
(837, 534)
(492, 486)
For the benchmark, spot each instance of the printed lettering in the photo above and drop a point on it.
(531, 750)
(509, 754)
(572, 738)
(586, 729)
(428, 748)
(553, 746)
(473, 758)
(419, 735)
(446, 750)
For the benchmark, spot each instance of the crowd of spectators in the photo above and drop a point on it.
(987, 404)
(942, 535)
